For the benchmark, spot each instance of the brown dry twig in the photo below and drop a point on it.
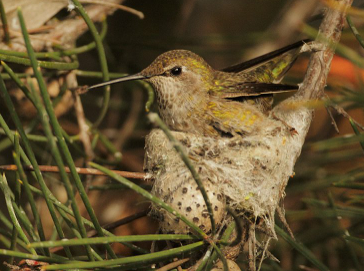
(350, 11)
(320, 62)
(173, 265)
(120, 222)
(121, 7)
(342, 112)
(86, 171)
(81, 119)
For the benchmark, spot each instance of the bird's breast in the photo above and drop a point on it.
(183, 113)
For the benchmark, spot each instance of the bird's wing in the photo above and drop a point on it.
(255, 89)
(270, 67)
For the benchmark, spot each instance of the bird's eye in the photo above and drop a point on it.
(176, 71)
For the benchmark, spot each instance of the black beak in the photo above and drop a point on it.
(121, 79)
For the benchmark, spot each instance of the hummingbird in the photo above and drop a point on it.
(194, 97)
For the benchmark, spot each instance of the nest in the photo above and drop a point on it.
(247, 173)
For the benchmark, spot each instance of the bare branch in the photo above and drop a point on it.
(320, 62)
(86, 171)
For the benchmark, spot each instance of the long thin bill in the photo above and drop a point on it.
(121, 79)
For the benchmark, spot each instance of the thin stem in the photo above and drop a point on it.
(355, 31)
(206, 259)
(63, 146)
(13, 242)
(29, 194)
(135, 261)
(342, 50)
(80, 170)
(58, 54)
(96, 74)
(4, 23)
(31, 160)
(357, 132)
(24, 220)
(76, 232)
(239, 230)
(151, 95)
(149, 196)
(121, 7)
(58, 159)
(223, 240)
(221, 256)
(5, 235)
(123, 221)
(6, 76)
(21, 255)
(344, 232)
(5, 221)
(301, 249)
(113, 239)
(44, 64)
(102, 59)
(41, 181)
(17, 80)
(6, 190)
(64, 208)
(108, 145)
(25, 90)
(14, 235)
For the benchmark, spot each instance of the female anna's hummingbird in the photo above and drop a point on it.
(193, 97)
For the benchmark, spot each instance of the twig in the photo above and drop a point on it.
(332, 119)
(102, 59)
(320, 62)
(351, 10)
(157, 201)
(306, 268)
(251, 248)
(238, 228)
(84, 129)
(355, 31)
(128, 126)
(43, 64)
(173, 265)
(342, 112)
(282, 218)
(121, 7)
(81, 120)
(86, 171)
(120, 222)
(265, 250)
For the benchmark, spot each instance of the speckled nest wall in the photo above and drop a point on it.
(247, 173)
